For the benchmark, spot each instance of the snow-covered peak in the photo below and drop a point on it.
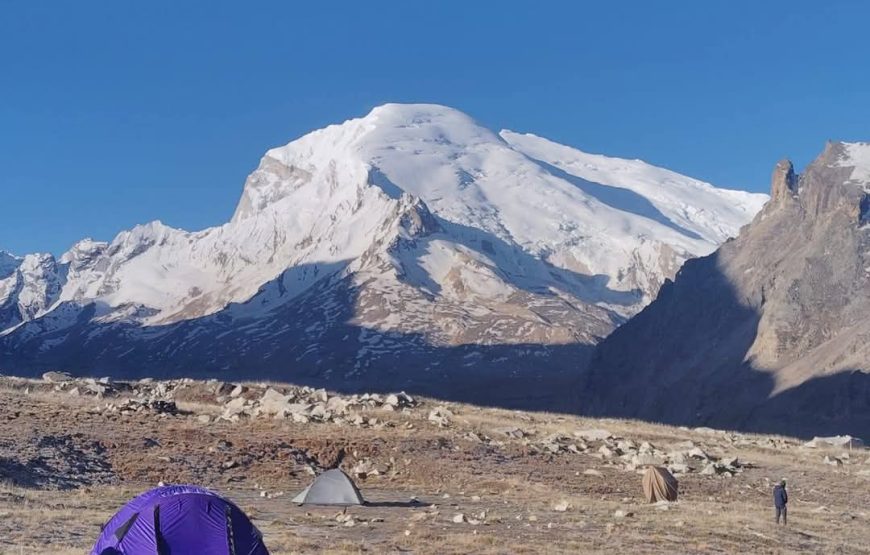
(37, 281)
(82, 251)
(355, 149)
(522, 188)
(423, 193)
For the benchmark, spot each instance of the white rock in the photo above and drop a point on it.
(833, 461)
(596, 434)
(844, 441)
(56, 377)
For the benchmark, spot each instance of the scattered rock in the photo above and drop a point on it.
(844, 441)
(512, 432)
(57, 377)
(440, 416)
(596, 434)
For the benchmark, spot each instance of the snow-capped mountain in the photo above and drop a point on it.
(420, 225)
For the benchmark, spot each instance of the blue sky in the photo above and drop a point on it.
(117, 113)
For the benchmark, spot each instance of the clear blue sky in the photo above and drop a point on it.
(116, 113)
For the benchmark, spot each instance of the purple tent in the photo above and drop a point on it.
(179, 520)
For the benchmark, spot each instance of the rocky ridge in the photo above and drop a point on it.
(769, 333)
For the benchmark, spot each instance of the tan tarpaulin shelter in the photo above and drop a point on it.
(659, 485)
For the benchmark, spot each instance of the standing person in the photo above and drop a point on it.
(780, 500)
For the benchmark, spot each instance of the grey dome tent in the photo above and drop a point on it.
(333, 487)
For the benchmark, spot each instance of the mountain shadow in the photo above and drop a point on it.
(312, 339)
(686, 360)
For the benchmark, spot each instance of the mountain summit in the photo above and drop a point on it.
(382, 249)
(770, 332)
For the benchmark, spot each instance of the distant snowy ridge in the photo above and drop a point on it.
(447, 229)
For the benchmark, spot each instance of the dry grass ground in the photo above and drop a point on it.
(506, 489)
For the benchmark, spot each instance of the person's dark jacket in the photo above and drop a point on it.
(780, 497)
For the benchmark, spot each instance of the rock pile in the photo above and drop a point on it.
(132, 406)
(63, 382)
(629, 455)
(304, 404)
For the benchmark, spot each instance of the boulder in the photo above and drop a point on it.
(95, 387)
(237, 403)
(222, 388)
(732, 462)
(319, 411)
(561, 506)
(646, 460)
(56, 377)
(678, 468)
(337, 405)
(626, 445)
(512, 432)
(272, 402)
(596, 434)
(440, 416)
(840, 442)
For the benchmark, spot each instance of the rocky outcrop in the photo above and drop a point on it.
(769, 332)
(784, 183)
